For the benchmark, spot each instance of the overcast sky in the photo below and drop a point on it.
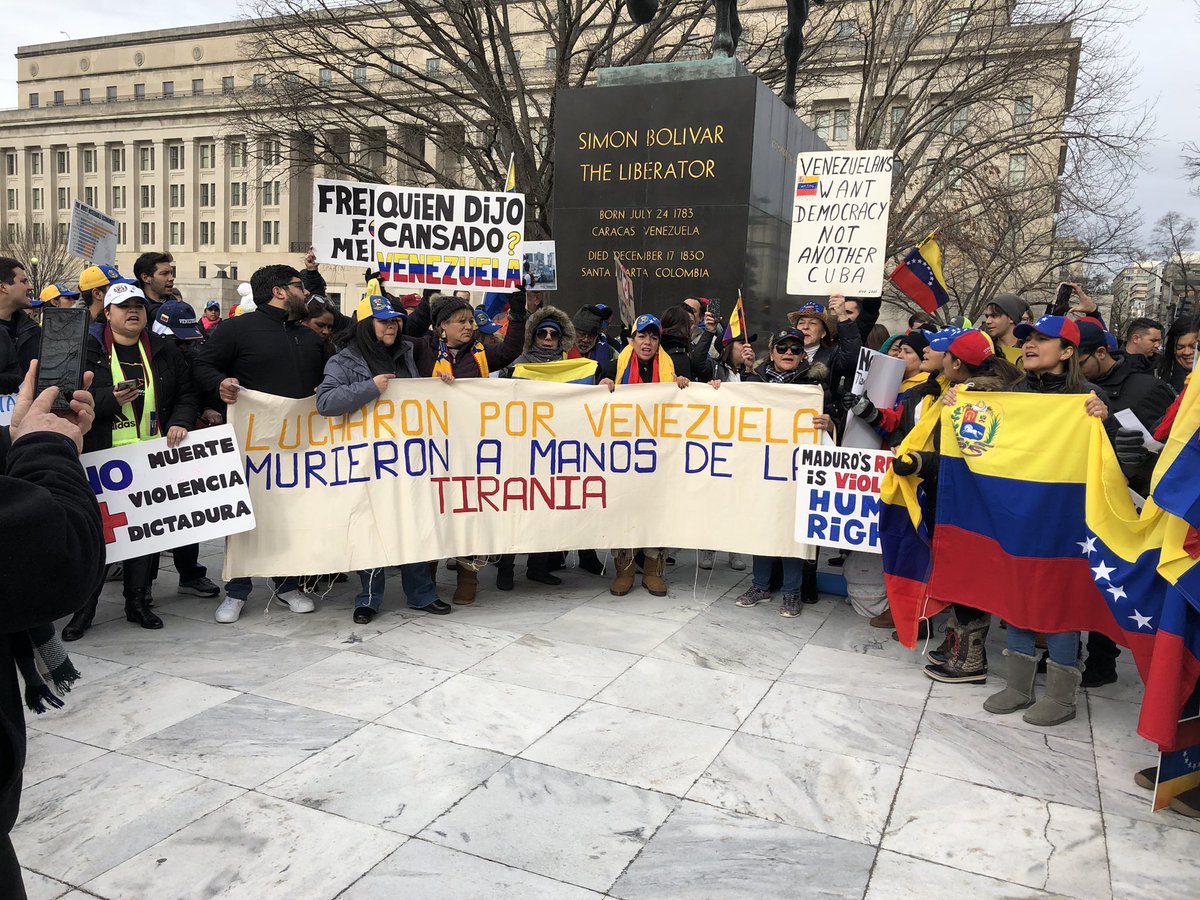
(1163, 44)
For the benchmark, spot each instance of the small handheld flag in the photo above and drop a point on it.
(920, 276)
(510, 180)
(736, 328)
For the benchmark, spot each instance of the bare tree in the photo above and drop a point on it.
(1173, 240)
(48, 247)
(440, 93)
(1018, 181)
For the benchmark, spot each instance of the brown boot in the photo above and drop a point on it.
(468, 580)
(652, 574)
(623, 582)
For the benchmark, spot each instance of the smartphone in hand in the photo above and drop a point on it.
(62, 354)
(1062, 299)
(714, 307)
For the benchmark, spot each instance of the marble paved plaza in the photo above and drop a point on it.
(563, 743)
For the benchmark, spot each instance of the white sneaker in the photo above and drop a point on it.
(706, 559)
(229, 611)
(737, 562)
(297, 602)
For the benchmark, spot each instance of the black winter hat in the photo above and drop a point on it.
(592, 319)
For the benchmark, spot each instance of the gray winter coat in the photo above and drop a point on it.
(348, 384)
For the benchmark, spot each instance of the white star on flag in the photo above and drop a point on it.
(1142, 621)
(1118, 592)
(1089, 546)
(1103, 572)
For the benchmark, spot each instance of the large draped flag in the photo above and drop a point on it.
(904, 532)
(920, 275)
(1145, 567)
(1034, 523)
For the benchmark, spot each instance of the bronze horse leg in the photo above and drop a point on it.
(728, 29)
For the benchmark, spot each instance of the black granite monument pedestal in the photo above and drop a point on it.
(686, 171)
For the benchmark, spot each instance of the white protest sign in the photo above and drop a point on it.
(837, 497)
(421, 237)
(878, 378)
(839, 222)
(7, 402)
(154, 498)
(542, 260)
(92, 235)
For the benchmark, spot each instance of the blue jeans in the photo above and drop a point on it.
(239, 588)
(1063, 647)
(793, 572)
(415, 579)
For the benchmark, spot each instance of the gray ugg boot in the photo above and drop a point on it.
(1019, 693)
(1058, 703)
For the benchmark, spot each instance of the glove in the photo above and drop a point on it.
(862, 407)
(1131, 452)
(517, 310)
(907, 463)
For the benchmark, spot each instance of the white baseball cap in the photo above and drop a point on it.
(122, 292)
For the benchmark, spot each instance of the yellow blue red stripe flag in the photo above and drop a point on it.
(567, 371)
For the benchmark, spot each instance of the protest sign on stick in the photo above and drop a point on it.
(421, 237)
(154, 498)
(624, 294)
(839, 222)
(92, 235)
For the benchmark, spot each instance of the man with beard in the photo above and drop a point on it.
(272, 351)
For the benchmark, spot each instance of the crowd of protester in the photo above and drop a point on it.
(156, 369)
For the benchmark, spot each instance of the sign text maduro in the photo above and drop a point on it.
(488, 466)
(421, 237)
(155, 498)
(837, 501)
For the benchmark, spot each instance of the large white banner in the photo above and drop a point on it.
(155, 498)
(488, 466)
(92, 235)
(839, 222)
(421, 237)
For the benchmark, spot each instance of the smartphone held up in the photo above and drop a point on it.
(62, 354)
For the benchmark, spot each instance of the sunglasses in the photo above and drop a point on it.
(547, 332)
(793, 349)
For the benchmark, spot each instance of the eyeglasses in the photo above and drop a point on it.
(547, 332)
(793, 349)
(297, 283)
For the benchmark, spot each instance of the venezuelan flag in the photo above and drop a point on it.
(567, 371)
(736, 327)
(904, 537)
(808, 186)
(1010, 508)
(1150, 583)
(920, 276)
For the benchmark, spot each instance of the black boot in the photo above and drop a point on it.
(539, 567)
(589, 561)
(504, 572)
(80, 622)
(1101, 666)
(137, 609)
(808, 582)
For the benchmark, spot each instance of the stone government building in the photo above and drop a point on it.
(139, 125)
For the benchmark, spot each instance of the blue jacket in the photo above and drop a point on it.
(348, 384)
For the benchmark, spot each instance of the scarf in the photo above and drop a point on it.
(127, 429)
(628, 371)
(542, 355)
(40, 644)
(445, 364)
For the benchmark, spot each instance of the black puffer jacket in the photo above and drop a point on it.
(53, 558)
(264, 351)
(690, 360)
(15, 356)
(175, 393)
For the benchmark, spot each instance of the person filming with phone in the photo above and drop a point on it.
(143, 390)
